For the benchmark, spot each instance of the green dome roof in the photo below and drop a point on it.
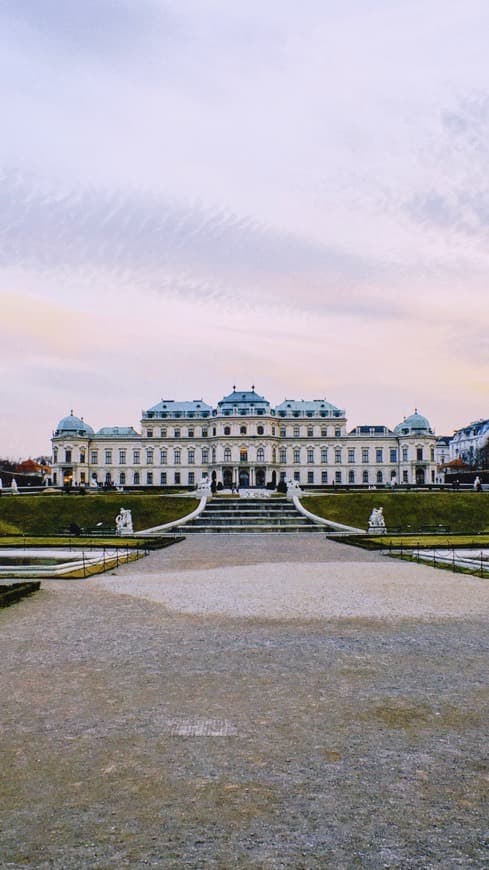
(72, 425)
(415, 424)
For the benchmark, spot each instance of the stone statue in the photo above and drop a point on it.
(477, 484)
(293, 488)
(204, 487)
(14, 487)
(123, 522)
(376, 522)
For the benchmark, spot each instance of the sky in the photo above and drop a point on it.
(201, 193)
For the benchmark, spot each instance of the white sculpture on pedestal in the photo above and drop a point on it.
(293, 488)
(204, 488)
(376, 522)
(123, 522)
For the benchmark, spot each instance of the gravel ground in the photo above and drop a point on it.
(163, 729)
(213, 575)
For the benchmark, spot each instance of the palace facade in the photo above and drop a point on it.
(243, 442)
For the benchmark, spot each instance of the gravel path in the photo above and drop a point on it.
(135, 734)
(294, 579)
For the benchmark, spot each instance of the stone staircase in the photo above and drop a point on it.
(234, 515)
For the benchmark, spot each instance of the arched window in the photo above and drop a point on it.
(260, 430)
(380, 477)
(242, 430)
(351, 476)
(136, 478)
(227, 454)
(227, 430)
(365, 477)
(260, 455)
(122, 478)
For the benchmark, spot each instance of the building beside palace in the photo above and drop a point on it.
(471, 444)
(243, 442)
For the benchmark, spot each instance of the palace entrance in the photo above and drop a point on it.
(260, 477)
(244, 477)
(227, 478)
(420, 477)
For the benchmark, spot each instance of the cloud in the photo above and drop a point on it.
(160, 245)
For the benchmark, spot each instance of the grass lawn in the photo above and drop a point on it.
(46, 515)
(466, 512)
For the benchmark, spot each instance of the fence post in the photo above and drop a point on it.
(83, 558)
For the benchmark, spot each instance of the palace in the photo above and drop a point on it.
(243, 442)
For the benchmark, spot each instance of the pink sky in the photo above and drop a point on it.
(197, 194)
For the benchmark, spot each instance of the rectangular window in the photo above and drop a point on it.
(122, 457)
(136, 457)
(405, 454)
(149, 433)
(163, 478)
(283, 455)
(337, 477)
(432, 454)
(177, 433)
(310, 476)
(297, 455)
(337, 455)
(191, 477)
(419, 454)
(351, 454)
(392, 454)
(67, 455)
(176, 457)
(190, 433)
(82, 477)
(204, 433)
(324, 455)
(163, 433)
(283, 432)
(310, 431)
(108, 457)
(365, 458)
(364, 476)
(163, 456)
(324, 432)
(149, 477)
(297, 476)
(310, 454)
(337, 433)
(191, 457)
(379, 454)
(297, 431)
(149, 456)
(324, 477)
(351, 476)
(82, 456)
(94, 457)
(177, 477)
(405, 476)
(205, 455)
